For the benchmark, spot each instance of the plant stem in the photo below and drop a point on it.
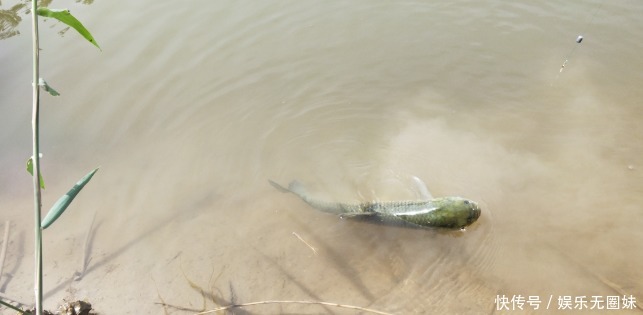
(36, 158)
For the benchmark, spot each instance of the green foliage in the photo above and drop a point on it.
(61, 205)
(34, 163)
(43, 84)
(30, 170)
(66, 17)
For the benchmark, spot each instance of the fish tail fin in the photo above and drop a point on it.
(297, 188)
(294, 187)
(279, 187)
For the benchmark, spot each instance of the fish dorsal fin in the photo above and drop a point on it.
(421, 188)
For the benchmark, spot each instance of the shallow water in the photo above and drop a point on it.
(190, 108)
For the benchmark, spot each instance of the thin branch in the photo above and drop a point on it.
(160, 297)
(5, 241)
(301, 239)
(294, 302)
(179, 308)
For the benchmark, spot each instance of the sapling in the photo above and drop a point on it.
(33, 163)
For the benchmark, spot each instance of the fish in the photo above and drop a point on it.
(442, 212)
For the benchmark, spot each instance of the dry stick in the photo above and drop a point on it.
(195, 287)
(301, 239)
(180, 308)
(4, 246)
(294, 302)
(160, 297)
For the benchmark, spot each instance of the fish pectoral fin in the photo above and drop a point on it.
(421, 188)
(357, 215)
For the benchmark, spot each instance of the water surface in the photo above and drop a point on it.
(191, 107)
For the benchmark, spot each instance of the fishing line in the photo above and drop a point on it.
(579, 39)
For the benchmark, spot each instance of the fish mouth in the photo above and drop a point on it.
(474, 214)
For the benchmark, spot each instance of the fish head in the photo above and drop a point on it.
(467, 211)
(445, 212)
(455, 212)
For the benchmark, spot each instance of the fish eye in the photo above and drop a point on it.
(466, 202)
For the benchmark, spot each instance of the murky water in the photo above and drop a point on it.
(191, 107)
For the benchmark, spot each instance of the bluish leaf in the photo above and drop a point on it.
(43, 84)
(61, 205)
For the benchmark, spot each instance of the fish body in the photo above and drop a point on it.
(444, 212)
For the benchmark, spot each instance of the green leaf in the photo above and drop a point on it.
(42, 83)
(66, 17)
(61, 205)
(30, 170)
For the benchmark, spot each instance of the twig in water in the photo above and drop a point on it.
(175, 307)
(195, 287)
(294, 302)
(5, 241)
(160, 297)
(301, 239)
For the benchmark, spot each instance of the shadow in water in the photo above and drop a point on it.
(173, 218)
(341, 265)
(210, 295)
(19, 257)
(292, 279)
